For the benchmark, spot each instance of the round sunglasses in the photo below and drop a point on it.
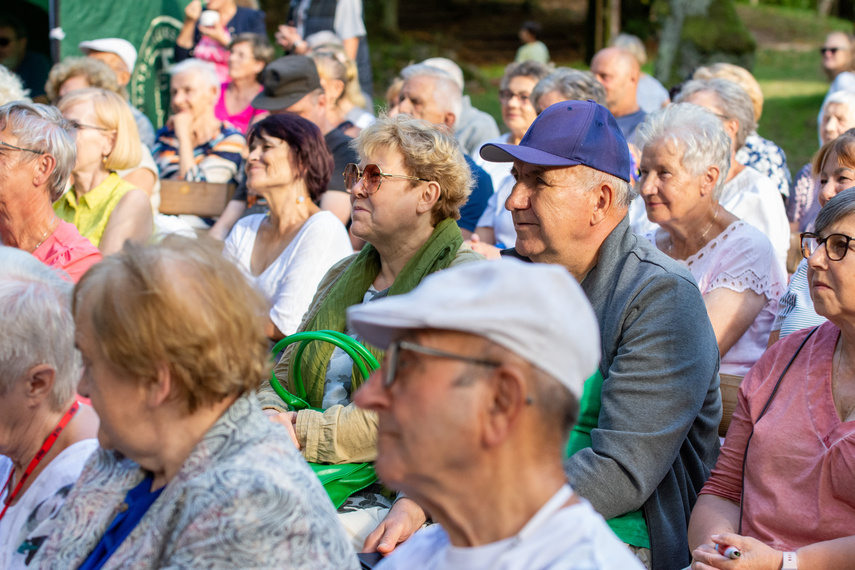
(371, 177)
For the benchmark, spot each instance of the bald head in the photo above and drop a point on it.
(618, 70)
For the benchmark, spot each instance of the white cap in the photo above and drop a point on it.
(122, 48)
(447, 66)
(537, 311)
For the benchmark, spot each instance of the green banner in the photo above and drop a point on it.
(150, 25)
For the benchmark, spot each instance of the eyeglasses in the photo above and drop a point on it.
(831, 50)
(78, 126)
(836, 245)
(391, 364)
(371, 176)
(13, 147)
(506, 95)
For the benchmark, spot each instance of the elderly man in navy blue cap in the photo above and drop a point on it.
(647, 435)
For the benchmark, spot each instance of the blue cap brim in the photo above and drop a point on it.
(494, 152)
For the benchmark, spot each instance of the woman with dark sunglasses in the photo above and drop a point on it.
(406, 194)
(838, 65)
(788, 500)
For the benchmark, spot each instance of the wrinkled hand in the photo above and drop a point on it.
(287, 36)
(287, 419)
(487, 250)
(193, 11)
(755, 554)
(404, 518)
(182, 124)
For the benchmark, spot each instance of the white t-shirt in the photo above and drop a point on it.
(750, 196)
(495, 215)
(23, 527)
(575, 537)
(290, 282)
(347, 22)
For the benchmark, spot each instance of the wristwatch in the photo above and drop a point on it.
(790, 561)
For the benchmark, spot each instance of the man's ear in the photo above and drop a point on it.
(507, 401)
(449, 120)
(603, 202)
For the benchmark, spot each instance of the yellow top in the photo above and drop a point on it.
(91, 211)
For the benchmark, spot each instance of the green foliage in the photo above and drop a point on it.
(719, 31)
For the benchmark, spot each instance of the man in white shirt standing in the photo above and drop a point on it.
(475, 399)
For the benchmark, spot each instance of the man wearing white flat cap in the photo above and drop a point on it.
(478, 390)
(121, 56)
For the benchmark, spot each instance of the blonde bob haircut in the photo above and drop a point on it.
(113, 114)
(182, 305)
(429, 152)
(738, 75)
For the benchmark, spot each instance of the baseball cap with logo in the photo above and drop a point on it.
(569, 133)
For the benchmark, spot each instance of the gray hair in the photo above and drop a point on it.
(41, 127)
(11, 87)
(733, 101)
(447, 66)
(624, 192)
(840, 98)
(37, 325)
(571, 84)
(697, 131)
(446, 91)
(632, 44)
(204, 70)
(533, 69)
(839, 207)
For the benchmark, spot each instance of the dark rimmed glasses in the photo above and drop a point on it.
(831, 50)
(13, 147)
(390, 366)
(371, 177)
(836, 245)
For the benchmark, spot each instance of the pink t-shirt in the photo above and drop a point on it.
(240, 120)
(800, 474)
(69, 251)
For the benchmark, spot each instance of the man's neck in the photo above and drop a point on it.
(495, 503)
(625, 108)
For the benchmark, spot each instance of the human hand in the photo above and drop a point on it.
(754, 555)
(182, 124)
(287, 419)
(403, 519)
(487, 250)
(193, 11)
(217, 33)
(287, 37)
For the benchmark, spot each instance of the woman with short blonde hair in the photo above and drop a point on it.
(113, 210)
(79, 73)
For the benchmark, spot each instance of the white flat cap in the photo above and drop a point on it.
(537, 311)
(122, 48)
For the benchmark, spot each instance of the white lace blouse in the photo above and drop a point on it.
(741, 258)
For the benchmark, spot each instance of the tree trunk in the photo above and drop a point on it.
(390, 17)
(614, 19)
(823, 7)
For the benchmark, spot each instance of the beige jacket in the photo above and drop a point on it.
(340, 434)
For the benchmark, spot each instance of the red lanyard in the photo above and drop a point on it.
(49, 441)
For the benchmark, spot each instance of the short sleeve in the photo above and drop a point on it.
(348, 19)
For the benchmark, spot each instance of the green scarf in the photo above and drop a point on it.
(349, 289)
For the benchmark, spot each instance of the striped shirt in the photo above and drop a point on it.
(795, 308)
(217, 160)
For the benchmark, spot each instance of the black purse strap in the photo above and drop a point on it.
(762, 413)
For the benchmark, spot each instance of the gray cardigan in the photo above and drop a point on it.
(657, 435)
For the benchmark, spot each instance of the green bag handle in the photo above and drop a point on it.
(364, 360)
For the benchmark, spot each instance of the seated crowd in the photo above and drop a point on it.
(256, 388)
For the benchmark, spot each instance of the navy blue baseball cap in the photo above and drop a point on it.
(569, 133)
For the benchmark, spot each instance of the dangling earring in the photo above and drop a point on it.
(300, 199)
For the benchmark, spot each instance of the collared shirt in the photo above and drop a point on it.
(69, 251)
(91, 211)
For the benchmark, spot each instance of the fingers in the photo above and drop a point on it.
(285, 419)
(384, 538)
(372, 541)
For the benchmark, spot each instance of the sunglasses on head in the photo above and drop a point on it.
(371, 177)
(831, 50)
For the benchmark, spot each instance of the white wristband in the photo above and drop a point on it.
(790, 561)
